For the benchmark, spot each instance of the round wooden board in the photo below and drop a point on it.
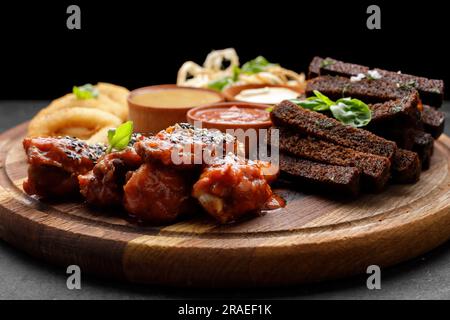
(313, 238)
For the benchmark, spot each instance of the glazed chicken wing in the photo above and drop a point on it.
(146, 179)
(55, 163)
(157, 194)
(231, 188)
(185, 146)
(103, 185)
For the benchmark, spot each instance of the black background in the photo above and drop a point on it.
(137, 43)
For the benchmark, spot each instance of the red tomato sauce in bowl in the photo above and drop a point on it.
(234, 115)
(231, 115)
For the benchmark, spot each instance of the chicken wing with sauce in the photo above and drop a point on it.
(103, 185)
(158, 194)
(147, 180)
(55, 163)
(231, 188)
(185, 146)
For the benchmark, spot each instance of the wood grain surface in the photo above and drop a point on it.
(313, 238)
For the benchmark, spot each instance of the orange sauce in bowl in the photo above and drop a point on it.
(233, 115)
(175, 98)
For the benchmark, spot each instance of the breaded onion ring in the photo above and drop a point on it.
(193, 75)
(79, 132)
(101, 136)
(102, 102)
(55, 123)
(114, 92)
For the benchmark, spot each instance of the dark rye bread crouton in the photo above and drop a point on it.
(333, 67)
(433, 121)
(288, 114)
(409, 138)
(431, 90)
(314, 67)
(319, 176)
(403, 136)
(369, 91)
(375, 169)
(406, 167)
(391, 119)
(423, 146)
(396, 120)
(398, 112)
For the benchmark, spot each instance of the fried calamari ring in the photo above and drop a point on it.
(114, 92)
(79, 132)
(85, 117)
(193, 75)
(102, 102)
(101, 136)
(58, 122)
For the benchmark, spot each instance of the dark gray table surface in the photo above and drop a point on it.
(23, 277)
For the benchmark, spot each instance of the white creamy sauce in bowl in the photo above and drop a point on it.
(266, 95)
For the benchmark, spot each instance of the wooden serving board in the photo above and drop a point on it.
(313, 238)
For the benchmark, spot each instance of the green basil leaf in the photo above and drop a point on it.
(88, 91)
(220, 84)
(111, 133)
(327, 62)
(110, 136)
(236, 72)
(320, 104)
(311, 103)
(351, 112)
(256, 65)
(120, 137)
(324, 98)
